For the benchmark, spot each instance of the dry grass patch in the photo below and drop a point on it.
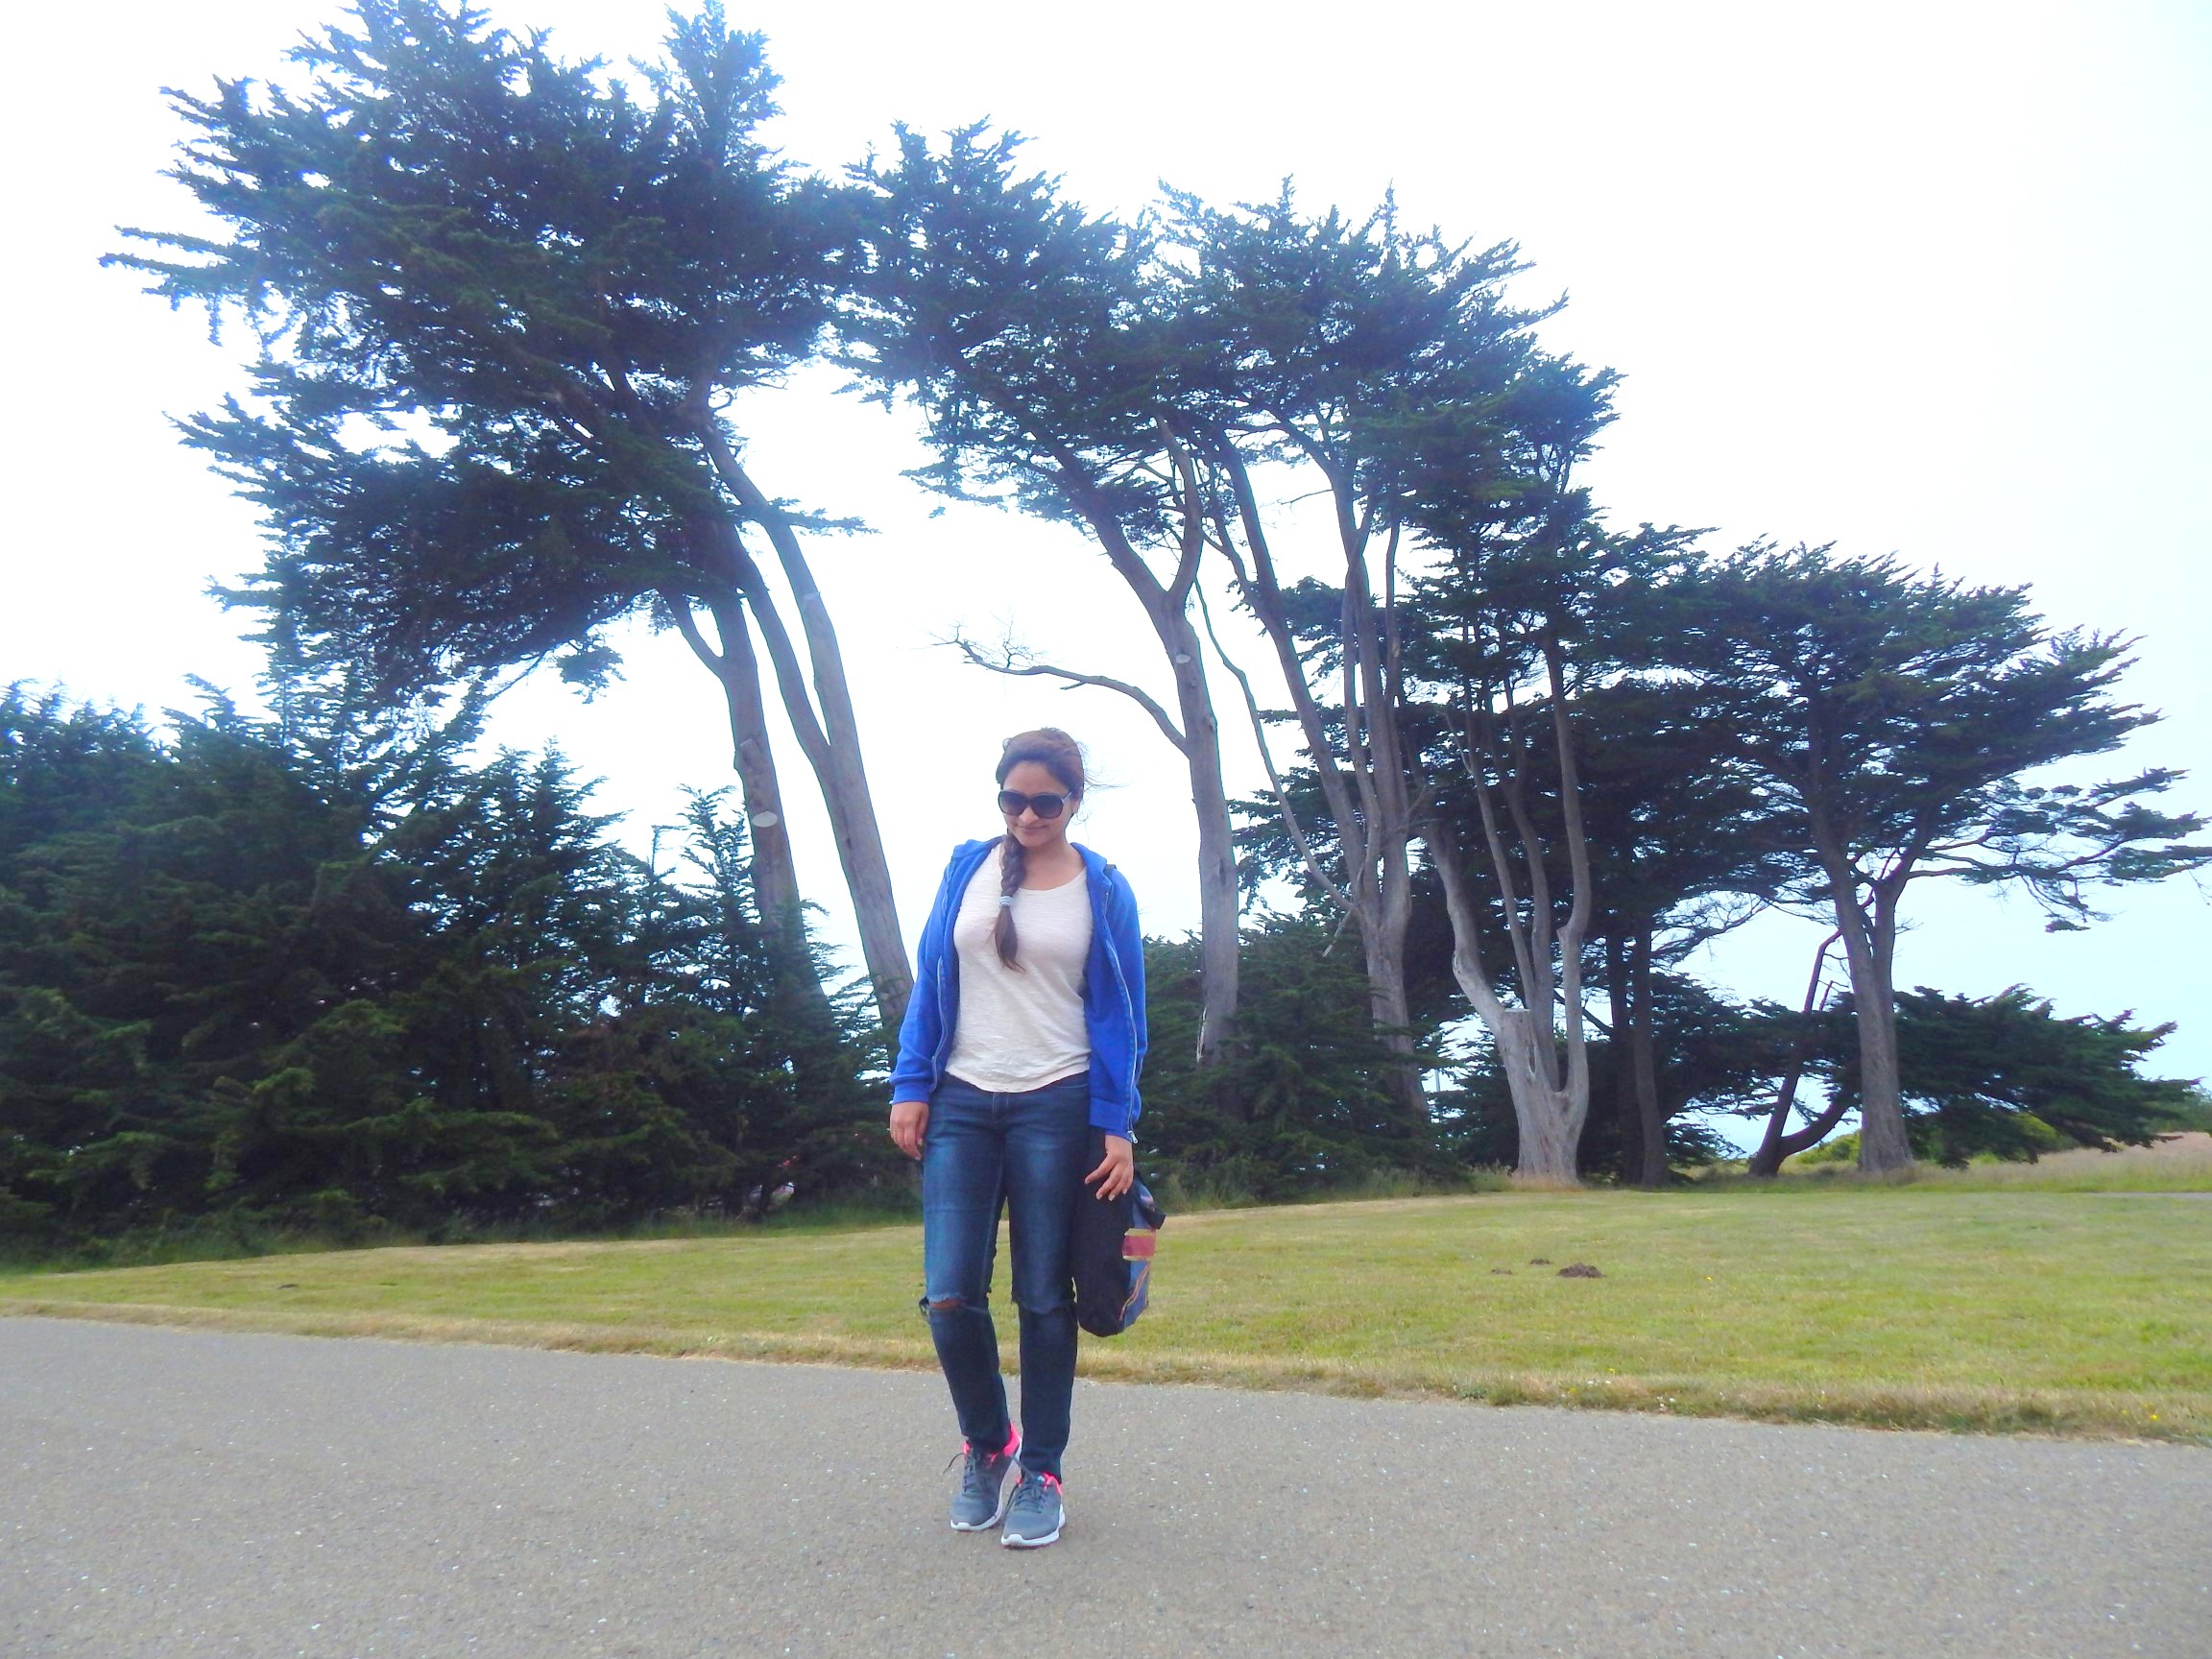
(2180, 1163)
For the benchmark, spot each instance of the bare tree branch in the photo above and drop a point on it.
(688, 625)
(1019, 661)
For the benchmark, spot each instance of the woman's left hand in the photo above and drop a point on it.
(1117, 1172)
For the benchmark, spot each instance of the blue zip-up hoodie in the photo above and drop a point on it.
(1113, 991)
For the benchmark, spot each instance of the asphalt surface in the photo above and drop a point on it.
(183, 1492)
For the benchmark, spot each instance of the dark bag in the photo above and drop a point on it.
(1112, 1253)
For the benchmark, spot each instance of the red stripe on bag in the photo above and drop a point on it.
(1136, 1244)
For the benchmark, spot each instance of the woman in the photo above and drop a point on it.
(1024, 1034)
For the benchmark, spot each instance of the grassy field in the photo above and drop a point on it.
(1931, 1305)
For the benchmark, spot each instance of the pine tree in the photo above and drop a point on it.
(503, 304)
(1900, 720)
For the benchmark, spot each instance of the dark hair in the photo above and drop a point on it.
(1061, 756)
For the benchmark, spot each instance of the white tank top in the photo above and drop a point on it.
(1021, 1028)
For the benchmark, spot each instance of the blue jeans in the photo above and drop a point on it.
(1028, 1150)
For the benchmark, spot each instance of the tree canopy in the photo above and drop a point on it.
(513, 318)
(502, 304)
(1899, 719)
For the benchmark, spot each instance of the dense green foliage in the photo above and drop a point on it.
(1309, 1105)
(2005, 1075)
(503, 304)
(238, 980)
(494, 301)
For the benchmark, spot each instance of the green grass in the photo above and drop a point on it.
(222, 1239)
(1921, 1306)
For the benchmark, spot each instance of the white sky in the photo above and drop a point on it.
(1924, 278)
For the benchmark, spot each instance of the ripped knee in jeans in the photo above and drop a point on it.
(955, 1304)
(1046, 1303)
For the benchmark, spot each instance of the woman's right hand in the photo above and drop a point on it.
(909, 1118)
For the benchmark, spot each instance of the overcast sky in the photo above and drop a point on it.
(1923, 279)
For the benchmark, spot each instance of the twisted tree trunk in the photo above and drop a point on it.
(1367, 788)
(1545, 1060)
(776, 894)
(736, 668)
(830, 739)
(1869, 930)
(1781, 1142)
(1550, 1100)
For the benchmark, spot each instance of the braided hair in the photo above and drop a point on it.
(1061, 756)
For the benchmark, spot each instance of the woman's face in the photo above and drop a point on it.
(1035, 833)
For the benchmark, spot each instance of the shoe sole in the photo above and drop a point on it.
(1013, 1542)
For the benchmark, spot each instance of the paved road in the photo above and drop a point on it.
(179, 1492)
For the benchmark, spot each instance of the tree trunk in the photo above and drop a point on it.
(1383, 949)
(737, 669)
(1780, 1142)
(1776, 1145)
(1868, 948)
(1575, 1088)
(846, 793)
(1551, 1090)
(1218, 919)
(1546, 1114)
(775, 872)
(1883, 1146)
(1651, 1165)
(1370, 709)
(1620, 1010)
(1198, 740)
(833, 744)
(1367, 792)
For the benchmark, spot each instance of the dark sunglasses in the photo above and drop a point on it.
(1045, 807)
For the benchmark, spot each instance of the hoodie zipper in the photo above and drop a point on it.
(1128, 1013)
(946, 1026)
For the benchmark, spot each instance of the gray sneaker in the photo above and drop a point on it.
(982, 1499)
(1034, 1518)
